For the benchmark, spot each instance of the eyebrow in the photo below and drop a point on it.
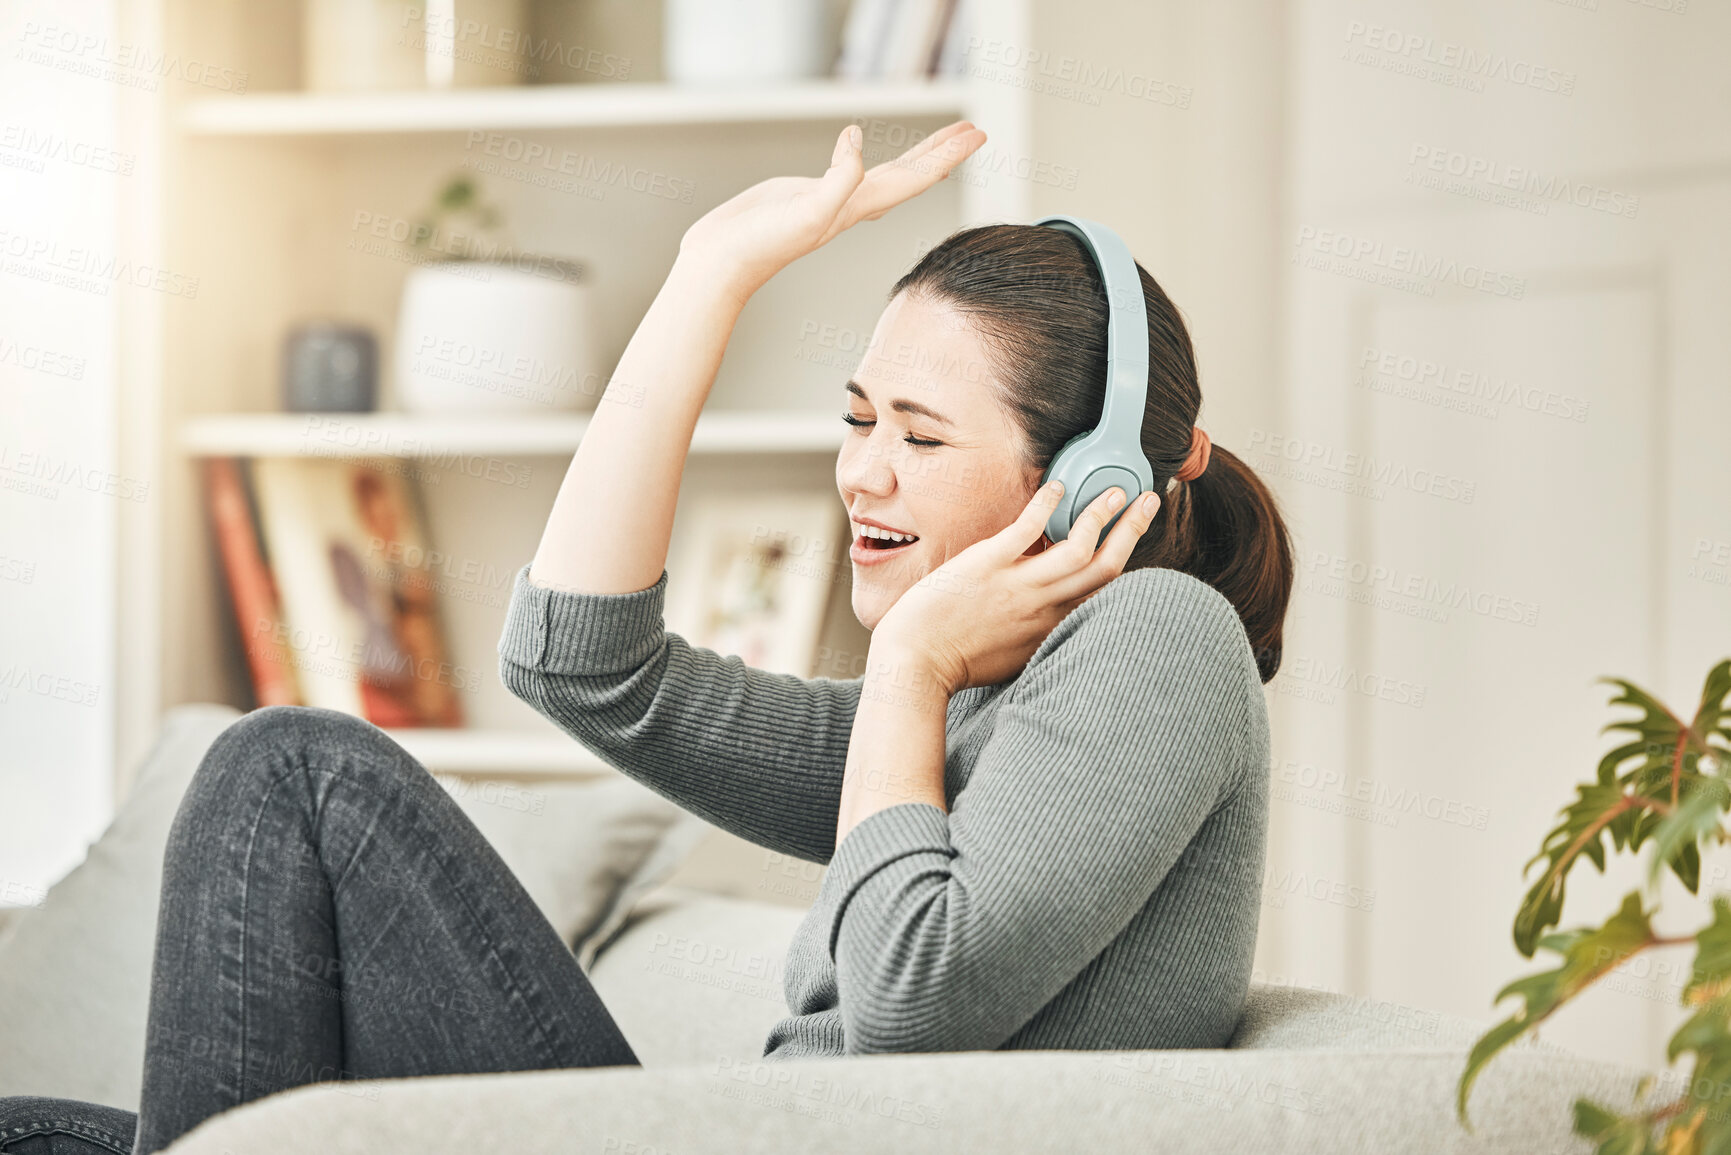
(902, 406)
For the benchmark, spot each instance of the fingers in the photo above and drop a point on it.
(829, 195)
(914, 171)
(1093, 570)
(846, 163)
(1019, 536)
(1083, 546)
(938, 142)
(1078, 545)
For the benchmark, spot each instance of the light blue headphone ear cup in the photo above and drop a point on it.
(1085, 478)
(1064, 468)
(1078, 496)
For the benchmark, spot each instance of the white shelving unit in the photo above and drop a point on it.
(409, 436)
(257, 199)
(505, 753)
(564, 106)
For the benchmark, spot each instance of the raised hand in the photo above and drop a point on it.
(748, 239)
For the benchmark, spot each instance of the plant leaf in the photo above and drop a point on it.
(1656, 721)
(1675, 838)
(1487, 1045)
(1580, 832)
(1705, 1033)
(1714, 715)
(458, 192)
(1656, 733)
(1615, 1134)
(1707, 978)
(1715, 1140)
(1587, 953)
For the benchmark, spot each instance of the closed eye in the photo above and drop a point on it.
(857, 422)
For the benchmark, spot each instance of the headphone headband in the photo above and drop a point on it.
(1111, 453)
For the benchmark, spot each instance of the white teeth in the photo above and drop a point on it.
(885, 534)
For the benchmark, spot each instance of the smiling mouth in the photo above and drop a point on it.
(875, 539)
(879, 543)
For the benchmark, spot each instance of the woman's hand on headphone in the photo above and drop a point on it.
(979, 617)
(750, 238)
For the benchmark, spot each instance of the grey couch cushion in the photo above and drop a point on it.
(1280, 1017)
(75, 973)
(10, 914)
(694, 976)
(1102, 1103)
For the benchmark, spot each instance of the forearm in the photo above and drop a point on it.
(613, 516)
(896, 751)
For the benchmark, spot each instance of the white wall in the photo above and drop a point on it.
(1254, 131)
(1612, 311)
(62, 493)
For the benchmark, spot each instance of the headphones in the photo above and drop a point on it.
(1111, 453)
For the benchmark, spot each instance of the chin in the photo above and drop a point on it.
(870, 605)
(867, 611)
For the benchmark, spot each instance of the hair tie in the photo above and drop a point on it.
(1198, 459)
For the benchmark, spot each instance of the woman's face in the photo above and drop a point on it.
(937, 458)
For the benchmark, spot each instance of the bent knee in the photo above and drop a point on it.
(259, 750)
(288, 726)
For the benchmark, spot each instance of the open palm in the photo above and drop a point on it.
(775, 222)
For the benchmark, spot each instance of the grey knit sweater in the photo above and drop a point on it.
(1096, 881)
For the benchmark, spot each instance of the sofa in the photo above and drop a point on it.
(693, 978)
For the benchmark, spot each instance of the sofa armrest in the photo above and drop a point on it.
(1296, 1102)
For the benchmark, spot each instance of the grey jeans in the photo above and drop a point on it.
(329, 913)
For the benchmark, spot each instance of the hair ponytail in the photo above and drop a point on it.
(1224, 528)
(1039, 302)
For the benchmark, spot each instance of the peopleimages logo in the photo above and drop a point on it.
(1412, 48)
(809, 1093)
(40, 360)
(39, 146)
(1406, 591)
(1388, 370)
(1542, 186)
(1358, 252)
(1362, 474)
(1300, 673)
(1377, 799)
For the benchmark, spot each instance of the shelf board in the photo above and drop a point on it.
(411, 435)
(563, 106)
(508, 753)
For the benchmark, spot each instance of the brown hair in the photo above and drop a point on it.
(1040, 304)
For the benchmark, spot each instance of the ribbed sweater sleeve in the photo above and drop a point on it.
(759, 754)
(949, 931)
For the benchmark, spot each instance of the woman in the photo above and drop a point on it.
(1043, 807)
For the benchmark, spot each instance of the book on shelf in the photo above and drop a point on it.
(903, 39)
(327, 567)
(252, 591)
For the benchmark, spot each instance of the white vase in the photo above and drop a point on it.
(745, 41)
(350, 45)
(477, 337)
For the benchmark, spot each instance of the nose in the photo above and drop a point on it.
(861, 468)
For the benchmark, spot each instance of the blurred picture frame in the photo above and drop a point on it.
(348, 549)
(751, 575)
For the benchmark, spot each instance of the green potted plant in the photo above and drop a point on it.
(1668, 786)
(485, 329)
